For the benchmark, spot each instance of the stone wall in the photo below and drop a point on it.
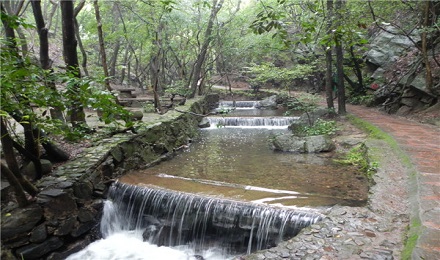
(65, 216)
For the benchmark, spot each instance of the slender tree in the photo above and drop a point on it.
(102, 45)
(45, 61)
(77, 115)
(198, 66)
(427, 20)
(328, 59)
(339, 59)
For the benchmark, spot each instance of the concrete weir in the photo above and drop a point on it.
(66, 214)
(173, 218)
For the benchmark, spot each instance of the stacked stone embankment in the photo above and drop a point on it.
(65, 216)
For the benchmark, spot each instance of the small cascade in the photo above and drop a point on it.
(169, 218)
(282, 122)
(238, 104)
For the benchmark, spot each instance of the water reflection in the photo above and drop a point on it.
(243, 157)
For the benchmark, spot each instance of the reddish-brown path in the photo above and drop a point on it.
(422, 144)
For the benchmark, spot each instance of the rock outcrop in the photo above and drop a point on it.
(397, 69)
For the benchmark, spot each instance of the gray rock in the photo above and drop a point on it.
(20, 220)
(35, 251)
(52, 192)
(204, 123)
(29, 169)
(385, 47)
(39, 234)
(308, 144)
(83, 190)
(270, 103)
(137, 115)
(82, 228)
(60, 206)
(85, 215)
(65, 227)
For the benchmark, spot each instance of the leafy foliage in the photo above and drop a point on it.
(358, 156)
(320, 127)
(24, 90)
(267, 72)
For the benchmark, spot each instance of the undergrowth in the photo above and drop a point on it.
(320, 127)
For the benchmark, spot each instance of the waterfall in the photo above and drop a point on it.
(283, 122)
(238, 104)
(169, 218)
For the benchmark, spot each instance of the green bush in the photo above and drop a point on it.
(320, 127)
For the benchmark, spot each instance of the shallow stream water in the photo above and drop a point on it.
(238, 162)
(233, 160)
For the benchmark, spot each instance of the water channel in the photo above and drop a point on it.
(230, 167)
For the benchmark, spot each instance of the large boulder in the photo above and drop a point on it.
(20, 220)
(387, 46)
(268, 103)
(308, 144)
(30, 171)
(309, 119)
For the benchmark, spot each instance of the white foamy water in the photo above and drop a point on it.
(129, 245)
(122, 244)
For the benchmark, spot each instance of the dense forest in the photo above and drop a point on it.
(59, 58)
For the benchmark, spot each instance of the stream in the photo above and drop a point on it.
(226, 194)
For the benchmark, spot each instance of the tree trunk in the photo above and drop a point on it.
(81, 48)
(102, 46)
(51, 14)
(426, 22)
(329, 60)
(77, 115)
(9, 155)
(18, 189)
(14, 8)
(78, 37)
(114, 58)
(195, 77)
(339, 62)
(359, 88)
(46, 63)
(31, 143)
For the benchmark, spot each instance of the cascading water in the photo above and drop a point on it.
(201, 224)
(259, 122)
(148, 222)
(238, 104)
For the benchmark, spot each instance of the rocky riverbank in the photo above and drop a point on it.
(65, 215)
(377, 231)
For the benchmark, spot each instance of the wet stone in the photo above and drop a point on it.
(38, 234)
(82, 228)
(85, 215)
(35, 251)
(65, 227)
(269, 255)
(284, 253)
(359, 242)
(20, 220)
(64, 185)
(52, 192)
(369, 233)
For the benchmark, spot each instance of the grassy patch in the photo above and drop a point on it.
(320, 127)
(373, 131)
(411, 239)
(358, 156)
